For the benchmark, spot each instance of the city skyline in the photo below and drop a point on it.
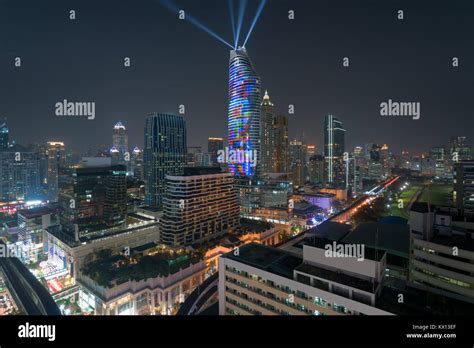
(354, 110)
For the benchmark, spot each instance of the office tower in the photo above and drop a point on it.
(19, 174)
(213, 146)
(385, 160)
(244, 113)
(442, 250)
(261, 280)
(310, 152)
(198, 206)
(267, 116)
(93, 199)
(459, 150)
(42, 150)
(164, 153)
(120, 138)
(3, 135)
(463, 195)
(115, 156)
(280, 133)
(334, 147)
(440, 158)
(136, 161)
(316, 170)
(56, 160)
(298, 162)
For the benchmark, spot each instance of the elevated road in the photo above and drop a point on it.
(32, 295)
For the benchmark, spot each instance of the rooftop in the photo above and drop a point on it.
(338, 277)
(393, 238)
(267, 259)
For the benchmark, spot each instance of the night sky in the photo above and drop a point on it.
(299, 61)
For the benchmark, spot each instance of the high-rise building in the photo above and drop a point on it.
(198, 206)
(120, 138)
(440, 158)
(310, 152)
(3, 135)
(164, 153)
(463, 194)
(460, 150)
(93, 199)
(56, 160)
(244, 113)
(267, 116)
(19, 174)
(281, 142)
(298, 162)
(213, 146)
(334, 147)
(316, 170)
(136, 161)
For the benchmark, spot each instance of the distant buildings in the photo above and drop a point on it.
(464, 185)
(334, 147)
(56, 160)
(281, 144)
(136, 163)
(3, 136)
(297, 157)
(244, 111)
(267, 115)
(120, 138)
(316, 170)
(199, 205)
(20, 177)
(213, 146)
(164, 153)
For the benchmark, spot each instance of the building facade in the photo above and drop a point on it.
(198, 206)
(334, 147)
(164, 153)
(244, 112)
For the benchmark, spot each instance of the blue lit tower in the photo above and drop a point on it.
(164, 153)
(244, 110)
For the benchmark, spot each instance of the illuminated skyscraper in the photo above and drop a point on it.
(334, 146)
(244, 112)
